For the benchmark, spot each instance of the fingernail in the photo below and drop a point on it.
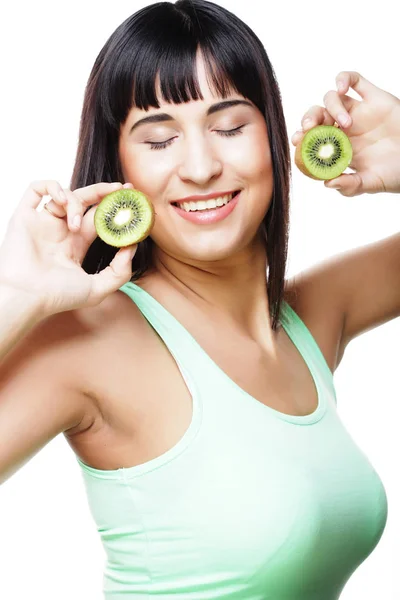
(343, 119)
(307, 122)
(296, 136)
(76, 222)
(335, 185)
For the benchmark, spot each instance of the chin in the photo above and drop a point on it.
(214, 250)
(211, 255)
(208, 246)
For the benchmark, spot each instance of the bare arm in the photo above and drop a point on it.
(43, 342)
(40, 393)
(18, 314)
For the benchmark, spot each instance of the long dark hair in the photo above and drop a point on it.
(163, 39)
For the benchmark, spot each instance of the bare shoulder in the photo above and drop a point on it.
(101, 334)
(311, 294)
(117, 315)
(109, 314)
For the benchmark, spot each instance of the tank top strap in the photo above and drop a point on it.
(187, 352)
(178, 340)
(305, 342)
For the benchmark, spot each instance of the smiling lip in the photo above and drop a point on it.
(210, 215)
(203, 197)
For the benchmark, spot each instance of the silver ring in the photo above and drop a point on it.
(50, 211)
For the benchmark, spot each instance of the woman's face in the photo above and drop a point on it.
(201, 147)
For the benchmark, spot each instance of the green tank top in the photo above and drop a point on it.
(251, 503)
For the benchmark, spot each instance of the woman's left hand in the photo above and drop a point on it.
(373, 126)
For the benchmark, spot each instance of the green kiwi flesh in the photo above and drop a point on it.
(124, 218)
(326, 152)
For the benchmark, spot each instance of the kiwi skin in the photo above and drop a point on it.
(133, 241)
(299, 161)
(300, 164)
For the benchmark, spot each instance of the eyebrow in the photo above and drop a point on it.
(162, 117)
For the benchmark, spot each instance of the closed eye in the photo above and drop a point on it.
(230, 132)
(223, 132)
(160, 145)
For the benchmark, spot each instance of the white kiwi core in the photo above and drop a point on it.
(122, 216)
(326, 151)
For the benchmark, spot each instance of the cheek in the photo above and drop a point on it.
(262, 158)
(145, 170)
(252, 157)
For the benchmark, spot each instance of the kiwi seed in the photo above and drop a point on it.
(124, 218)
(324, 152)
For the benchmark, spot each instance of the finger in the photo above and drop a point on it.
(341, 107)
(93, 194)
(353, 79)
(347, 185)
(81, 197)
(355, 184)
(336, 107)
(88, 230)
(297, 136)
(57, 207)
(34, 193)
(114, 276)
(74, 210)
(316, 115)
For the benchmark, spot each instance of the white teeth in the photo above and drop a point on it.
(205, 204)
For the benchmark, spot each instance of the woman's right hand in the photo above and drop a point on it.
(41, 254)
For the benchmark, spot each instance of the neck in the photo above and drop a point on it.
(234, 290)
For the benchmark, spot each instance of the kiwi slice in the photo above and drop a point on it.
(124, 217)
(324, 152)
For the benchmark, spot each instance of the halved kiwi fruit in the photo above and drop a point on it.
(124, 217)
(324, 152)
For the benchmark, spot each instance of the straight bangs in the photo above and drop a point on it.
(158, 61)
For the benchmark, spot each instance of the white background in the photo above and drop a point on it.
(48, 542)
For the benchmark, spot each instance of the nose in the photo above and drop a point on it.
(199, 161)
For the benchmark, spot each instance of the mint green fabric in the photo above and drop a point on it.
(251, 503)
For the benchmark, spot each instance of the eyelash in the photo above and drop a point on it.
(225, 133)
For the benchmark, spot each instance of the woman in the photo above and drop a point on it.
(193, 382)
